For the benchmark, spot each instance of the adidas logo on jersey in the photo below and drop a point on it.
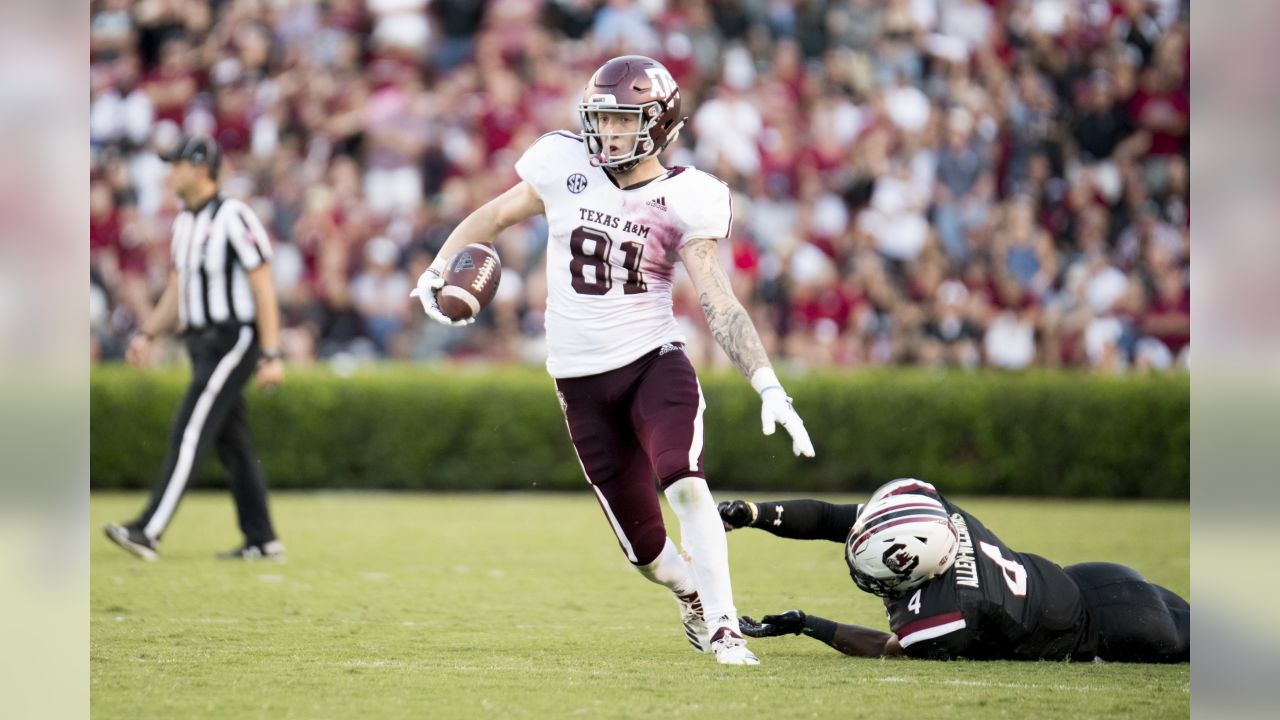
(668, 347)
(660, 203)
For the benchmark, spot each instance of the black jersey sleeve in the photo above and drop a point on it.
(931, 621)
(807, 519)
(942, 637)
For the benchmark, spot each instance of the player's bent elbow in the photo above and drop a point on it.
(892, 649)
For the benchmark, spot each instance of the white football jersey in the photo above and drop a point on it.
(611, 253)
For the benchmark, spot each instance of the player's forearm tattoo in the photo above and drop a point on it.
(729, 322)
(734, 331)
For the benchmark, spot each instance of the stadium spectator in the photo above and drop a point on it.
(379, 293)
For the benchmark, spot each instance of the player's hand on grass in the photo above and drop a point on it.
(737, 513)
(790, 622)
(429, 283)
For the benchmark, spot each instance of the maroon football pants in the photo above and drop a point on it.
(630, 425)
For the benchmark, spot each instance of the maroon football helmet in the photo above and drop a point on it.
(631, 84)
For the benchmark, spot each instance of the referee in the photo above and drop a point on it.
(221, 300)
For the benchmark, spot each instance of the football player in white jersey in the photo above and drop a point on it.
(618, 222)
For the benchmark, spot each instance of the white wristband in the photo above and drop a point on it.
(440, 264)
(765, 378)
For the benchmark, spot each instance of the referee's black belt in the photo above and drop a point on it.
(213, 332)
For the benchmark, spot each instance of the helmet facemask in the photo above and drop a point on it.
(642, 143)
(881, 588)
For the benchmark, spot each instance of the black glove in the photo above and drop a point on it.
(790, 622)
(737, 513)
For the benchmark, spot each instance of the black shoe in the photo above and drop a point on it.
(270, 550)
(132, 539)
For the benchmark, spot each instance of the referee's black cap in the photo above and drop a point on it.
(198, 150)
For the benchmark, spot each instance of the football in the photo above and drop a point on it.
(470, 282)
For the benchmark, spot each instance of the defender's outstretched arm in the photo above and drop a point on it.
(794, 519)
(853, 640)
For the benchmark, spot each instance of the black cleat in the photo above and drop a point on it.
(132, 539)
(270, 550)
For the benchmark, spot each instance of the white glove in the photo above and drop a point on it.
(776, 409)
(429, 283)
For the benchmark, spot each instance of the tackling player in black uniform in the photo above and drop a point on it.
(952, 589)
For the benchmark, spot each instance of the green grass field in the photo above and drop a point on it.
(522, 606)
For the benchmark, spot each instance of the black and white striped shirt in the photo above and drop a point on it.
(213, 249)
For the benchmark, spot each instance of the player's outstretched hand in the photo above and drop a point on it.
(737, 513)
(790, 622)
(429, 283)
(776, 409)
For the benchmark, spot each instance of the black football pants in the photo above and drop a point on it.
(213, 413)
(1135, 620)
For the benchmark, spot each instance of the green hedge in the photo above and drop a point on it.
(454, 428)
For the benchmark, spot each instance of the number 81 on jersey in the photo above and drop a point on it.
(591, 248)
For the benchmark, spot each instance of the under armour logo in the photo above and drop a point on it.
(464, 262)
(576, 183)
(777, 518)
(659, 203)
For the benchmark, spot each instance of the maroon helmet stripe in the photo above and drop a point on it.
(910, 487)
(880, 519)
(905, 506)
(866, 535)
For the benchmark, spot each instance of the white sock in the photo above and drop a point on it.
(670, 570)
(702, 536)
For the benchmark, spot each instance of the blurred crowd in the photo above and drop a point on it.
(947, 183)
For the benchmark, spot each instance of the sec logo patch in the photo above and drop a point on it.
(576, 183)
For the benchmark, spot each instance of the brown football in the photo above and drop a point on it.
(470, 282)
